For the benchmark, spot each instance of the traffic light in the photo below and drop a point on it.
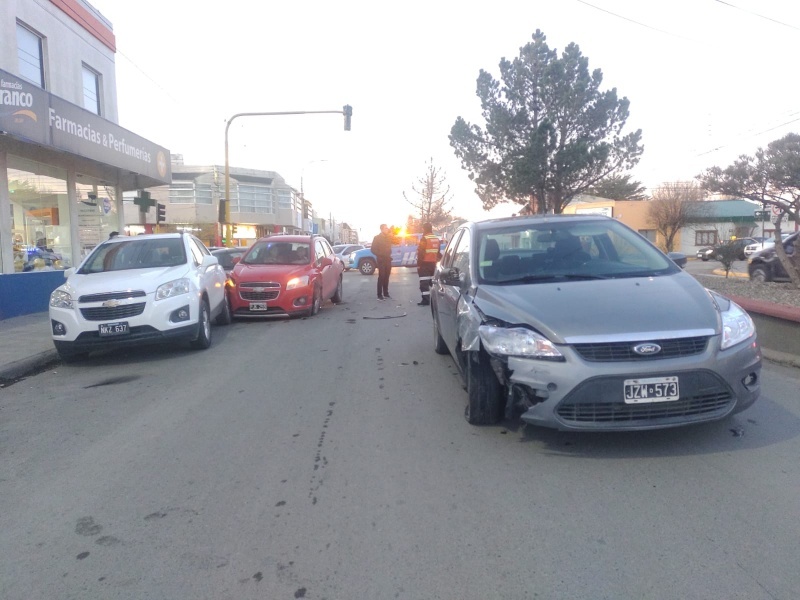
(347, 111)
(221, 211)
(235, 229)
(161, 214)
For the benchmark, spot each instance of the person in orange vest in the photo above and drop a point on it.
(427, 256)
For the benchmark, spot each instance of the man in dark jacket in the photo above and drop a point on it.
(382, 249)
(427, 256)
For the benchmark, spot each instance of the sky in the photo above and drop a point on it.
(707, 81)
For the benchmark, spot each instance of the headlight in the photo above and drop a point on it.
(60, 299)
(173, 288)
(297, 282)
(518, 341)
(737, 326)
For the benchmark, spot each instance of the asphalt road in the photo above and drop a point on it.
(328, 458)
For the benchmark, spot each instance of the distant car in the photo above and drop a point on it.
(762, 244)
(765, 266)
(678, 258)
(715, 252)
(228, 257)
(142, 289)
(579, 323)
(404, 254)
(344, 251)
(285, 275)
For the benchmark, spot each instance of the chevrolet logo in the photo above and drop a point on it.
(259, 289)
(111, 303)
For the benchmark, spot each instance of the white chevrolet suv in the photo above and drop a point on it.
(141, 289)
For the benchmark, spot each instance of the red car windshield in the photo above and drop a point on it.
(278, 253)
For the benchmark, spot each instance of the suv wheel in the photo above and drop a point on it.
(203, 340)
(367, 266)
(439, 346)
(337, 296)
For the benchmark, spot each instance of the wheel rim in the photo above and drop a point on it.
(206, 323)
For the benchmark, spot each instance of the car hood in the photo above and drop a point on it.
(147, 280)
(243, 272)
(581, 311)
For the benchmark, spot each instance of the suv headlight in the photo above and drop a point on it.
(737, 326)
(173, 288)
(297, 282)
(60, 299)
(518, 341)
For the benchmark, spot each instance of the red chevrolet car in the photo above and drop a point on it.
(285, 275)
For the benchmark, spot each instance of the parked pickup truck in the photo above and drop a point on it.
(404, 254)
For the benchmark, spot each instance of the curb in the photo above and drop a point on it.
(28, 365)
(781, 358)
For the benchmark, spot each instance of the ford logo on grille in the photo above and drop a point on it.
(645, 349)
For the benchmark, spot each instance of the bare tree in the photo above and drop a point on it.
(674, 206)
(432, 195)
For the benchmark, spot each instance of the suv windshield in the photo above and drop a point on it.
(135, 254)
(278, 253)
(569, 250)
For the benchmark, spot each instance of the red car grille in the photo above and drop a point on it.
(259, 292)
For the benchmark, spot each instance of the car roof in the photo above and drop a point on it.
(531, 219)
(289, 238)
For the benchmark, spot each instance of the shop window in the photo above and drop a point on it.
(30, 52)
(648, 234)
(705, 238)
(39, 216)
(91, 90)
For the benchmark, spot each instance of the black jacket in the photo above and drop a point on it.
(382, 246)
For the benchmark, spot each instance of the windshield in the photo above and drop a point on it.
(135, 254)
(569, 250)
(278, 253)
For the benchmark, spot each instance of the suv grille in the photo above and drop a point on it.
(112, 296)
(259, 292)
(111, 313)
(619, 351)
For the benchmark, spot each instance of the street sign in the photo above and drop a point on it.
(761, 214)
(776, 210)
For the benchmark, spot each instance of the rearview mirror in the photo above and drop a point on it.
(451, 276)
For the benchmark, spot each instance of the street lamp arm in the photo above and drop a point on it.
(347, 111)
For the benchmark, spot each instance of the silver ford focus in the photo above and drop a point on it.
(577, 322)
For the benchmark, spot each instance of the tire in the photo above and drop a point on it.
(226, 316)
(203, 340)
(337, 296)
(316, 302)
(367, 266)
(439, 346)
(760, 275)
(704, 258)
(483, 389)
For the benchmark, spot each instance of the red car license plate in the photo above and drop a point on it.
(257, 306)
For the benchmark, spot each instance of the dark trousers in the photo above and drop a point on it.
(425, 271)
(384, 270)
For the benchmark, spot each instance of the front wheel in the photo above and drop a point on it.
(316, 302)
(438, 341)
(759, 274)
(203, 340)
(484, 390)
(367, 267)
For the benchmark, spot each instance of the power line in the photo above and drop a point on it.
(635, 22)
(757, 15)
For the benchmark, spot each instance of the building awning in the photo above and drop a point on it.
(31, 115)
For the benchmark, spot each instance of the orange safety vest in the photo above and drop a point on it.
(432, 244)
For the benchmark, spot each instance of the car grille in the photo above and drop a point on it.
(619, 351)
(599, 402)
(110, 313)
(259, 292)
(112, 296)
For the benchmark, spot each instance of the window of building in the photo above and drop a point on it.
(181, 192)
(203, 193)
(254, 199)
(30, 52)
(648, 234)
(284, 199)
(705, 238)
(91, 90)
(39, 216)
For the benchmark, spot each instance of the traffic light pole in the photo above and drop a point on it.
(347, 112)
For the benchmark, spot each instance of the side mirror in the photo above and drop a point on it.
(325, 261)
(236, 260)
(69, 272)
(451, 276)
